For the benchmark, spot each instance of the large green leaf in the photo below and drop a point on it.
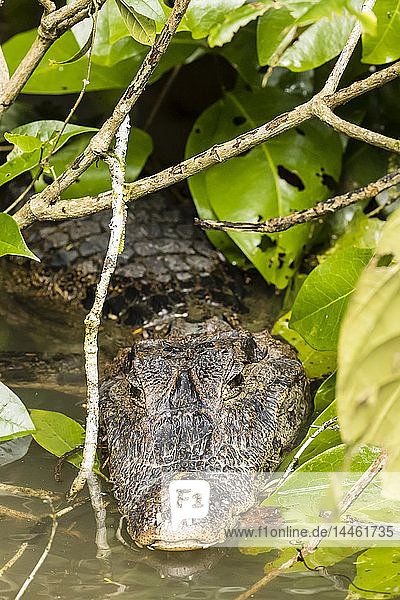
(113, 67)
(276, 178)
(323, 30)
(141, 28)
(368, 388)
(151, 9)
(325, 394)
(32, 143)
(96, 179)
(384, 47)
(319, 43)
(11, 240)
(322, 300)
(59, 434)
(378, 570)
(274, 31)
(223, 32)
(203, 15)
(315, 362)
(14, 418)
(360, 232)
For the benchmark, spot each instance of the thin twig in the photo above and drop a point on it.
(277, 56)
(48, 5)
(39, 208)
(14, 558)
(293, 464)
(43, 557)
(342, 62)
(116, 165)
(161, 96)
(313, 544)
(85, 82)
(7, 489)
(310, 214)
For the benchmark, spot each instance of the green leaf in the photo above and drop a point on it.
(59, 434)
(368, 388)
(203, 15)
(360, 232)
(222, 33)
(270, 180)
(113, 66)
(14, 418)
(325, 394)
(33, 142)
(322, 300)
(11, 240)
(82, 51)
(315, 363)
(141, 28)
(274, 30)
(319, 43)
(383, 47)
(327, 439)
(148, 8)
(378, 570)
(97, 178)
(26, 143)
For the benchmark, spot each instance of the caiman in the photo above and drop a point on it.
(208, 401)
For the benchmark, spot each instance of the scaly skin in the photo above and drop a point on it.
(216, 400)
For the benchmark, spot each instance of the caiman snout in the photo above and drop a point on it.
(193, 510)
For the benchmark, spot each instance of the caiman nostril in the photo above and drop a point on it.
(184, 393)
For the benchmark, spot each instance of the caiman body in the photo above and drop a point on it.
(216, 404)
(208, 399)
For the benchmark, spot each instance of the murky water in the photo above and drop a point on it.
(74, 568)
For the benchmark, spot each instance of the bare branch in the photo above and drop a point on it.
(341, 64)
(116, 165)
(38, 208)
(51, 27)
(324, 113)
(48, 5)
(309, 214)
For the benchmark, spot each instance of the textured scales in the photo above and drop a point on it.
(216, 400)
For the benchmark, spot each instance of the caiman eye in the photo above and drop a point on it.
(135, 392)
(236, 381)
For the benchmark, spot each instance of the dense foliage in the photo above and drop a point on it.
(341, 274)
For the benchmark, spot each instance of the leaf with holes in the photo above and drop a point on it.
(323, 298)
(288, 173)
(11, 240)
(14, 418)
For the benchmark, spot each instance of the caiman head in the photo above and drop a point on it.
(220, 402)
